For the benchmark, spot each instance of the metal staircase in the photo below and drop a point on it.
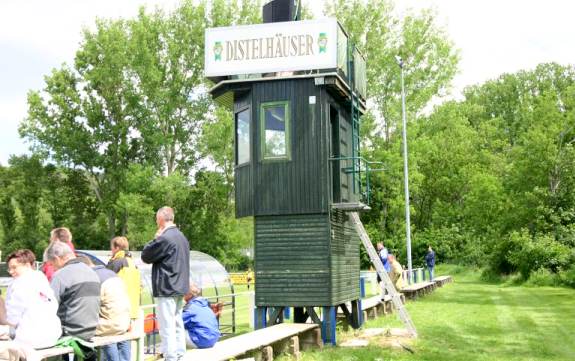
(388, 285)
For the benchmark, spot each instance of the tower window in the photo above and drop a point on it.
(243, 137)
(275, 130)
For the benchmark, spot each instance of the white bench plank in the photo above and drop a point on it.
(239, 345)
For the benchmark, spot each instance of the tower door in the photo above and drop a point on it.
(334, 152)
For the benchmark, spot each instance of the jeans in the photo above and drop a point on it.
(118, 351)
(430, 270)
(172, 332)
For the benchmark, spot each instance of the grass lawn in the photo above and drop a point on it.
(473, 320)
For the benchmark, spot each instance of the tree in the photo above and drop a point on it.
(135, 95)
(429, 57)
(88, 116)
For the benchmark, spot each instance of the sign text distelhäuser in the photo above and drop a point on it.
(273, 47)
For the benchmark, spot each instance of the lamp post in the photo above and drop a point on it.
(405, 171)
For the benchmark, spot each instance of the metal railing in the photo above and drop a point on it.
(361, 168)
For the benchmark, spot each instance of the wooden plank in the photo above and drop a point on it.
(417, 287)
(53, 351)
(256, 340)
(107, 340)
(96, 342)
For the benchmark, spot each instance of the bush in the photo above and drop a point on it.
(567, 277)
(543, 277)
(541, 251)
(490, 275)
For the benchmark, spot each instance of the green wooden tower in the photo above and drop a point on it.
(297, 90)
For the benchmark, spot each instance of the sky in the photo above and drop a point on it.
(493, 37)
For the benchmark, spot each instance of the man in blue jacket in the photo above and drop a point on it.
(430, 260)
(169, 254)
(199, 320)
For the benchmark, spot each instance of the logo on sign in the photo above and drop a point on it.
(218, 49)
(322, 42)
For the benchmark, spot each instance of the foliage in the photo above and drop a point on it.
(129, 127)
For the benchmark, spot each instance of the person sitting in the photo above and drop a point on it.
(63, 235)
(199, 320)
(123, 265)
(77, 289)
(114, 317)
(396, 272)
(31, 307)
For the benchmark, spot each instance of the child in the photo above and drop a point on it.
(199, 320)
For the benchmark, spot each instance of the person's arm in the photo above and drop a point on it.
(116, 265)
(56, 286)
(154, 251)
(15, 304)
(3, 320)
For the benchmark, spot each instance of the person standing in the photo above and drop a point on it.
(169, 254)
(396, 272)
(122, 263)
(382, 252)
(430, 261)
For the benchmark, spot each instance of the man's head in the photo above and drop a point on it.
(58, 254)
(430, 248)
(193, 292)
(164, 217)
(61, 234)
(390, 257)
(379, 246)
(119, 244)
(20, 261)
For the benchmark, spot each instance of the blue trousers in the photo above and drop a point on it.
(430, 270)
(118, 351)
(172, 331)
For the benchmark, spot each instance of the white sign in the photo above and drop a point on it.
(271, 47)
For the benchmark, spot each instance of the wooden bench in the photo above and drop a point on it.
(262, 344)
(96, 343)
(440, 281)
(418, 289)
(371, 307)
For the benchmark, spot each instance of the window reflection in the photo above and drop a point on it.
(275, 134)
(243, 137)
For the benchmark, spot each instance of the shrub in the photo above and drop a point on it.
(567, 277)
(541, 251)
(543, 277)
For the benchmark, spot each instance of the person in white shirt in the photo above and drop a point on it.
(30, 307)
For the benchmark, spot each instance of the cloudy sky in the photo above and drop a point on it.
(494, 36)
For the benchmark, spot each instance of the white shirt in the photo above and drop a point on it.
(32, 307)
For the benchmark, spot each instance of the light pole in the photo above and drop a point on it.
(405, 171)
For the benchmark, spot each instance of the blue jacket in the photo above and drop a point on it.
(383, 256)
(430, 259)
(201, 323)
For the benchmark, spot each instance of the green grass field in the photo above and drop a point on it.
(474, 320)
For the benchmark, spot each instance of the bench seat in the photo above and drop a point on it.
(418, 289)
(270, 340)
(96, 342)
(441, 280)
